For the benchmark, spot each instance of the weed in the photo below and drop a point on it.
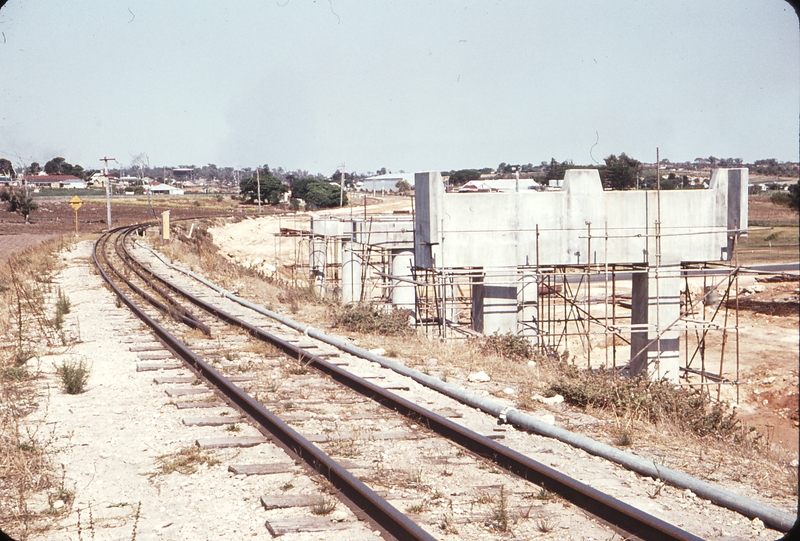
(13, 373)
(288, 485)
(185, 461)
(654, 401)
(301, 369)
(295, 296)
(324, 506)
(415, 477)
(484, 498)
(508, 346)
(500, 512)
(624, 438)
(74, 375)
(544, 525)
(345, 447)
(233, 427)
(543, 494)
(63, 305)
(447, 524)
(370, 319)
(416, 508)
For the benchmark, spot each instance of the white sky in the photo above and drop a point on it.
(412, 85)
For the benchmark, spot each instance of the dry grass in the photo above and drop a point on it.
(363, 318)
(185, 460)
(26, 330)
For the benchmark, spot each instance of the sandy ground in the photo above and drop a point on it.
(109, 439)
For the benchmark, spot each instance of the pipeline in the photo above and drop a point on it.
(771, 517)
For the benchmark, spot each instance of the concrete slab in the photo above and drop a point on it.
(278, 527)
(199, 404)
(224, 443)
(211, 421)
(285, 501)
(262, 469)
(152, 367)
(161, 380)
(183, 391)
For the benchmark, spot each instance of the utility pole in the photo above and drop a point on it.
(258, 188)
(341, 186)
(108, 189)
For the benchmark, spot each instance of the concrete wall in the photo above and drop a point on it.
(583, 224)
(455, 229)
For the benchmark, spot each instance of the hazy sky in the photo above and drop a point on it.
(411, 85)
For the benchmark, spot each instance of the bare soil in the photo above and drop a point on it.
(56, 218)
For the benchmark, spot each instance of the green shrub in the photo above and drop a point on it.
(74, 375)
(509, 346)
(782, 199)
(654, 401)
(370, 319)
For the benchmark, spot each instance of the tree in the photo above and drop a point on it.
(794, 196)
(35, 168)
(349, 179)
(555, 170)
(403, 187)
(272, 189)
(18, 201)
(619, 173)
(317, 193)
(54, 166)
(7, 169)
(462, 176)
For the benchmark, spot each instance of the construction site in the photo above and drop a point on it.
(636, 282)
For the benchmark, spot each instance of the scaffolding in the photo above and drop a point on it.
(583, 308)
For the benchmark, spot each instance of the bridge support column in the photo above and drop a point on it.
(655, 305)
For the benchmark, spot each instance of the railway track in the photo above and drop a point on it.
(351, 422)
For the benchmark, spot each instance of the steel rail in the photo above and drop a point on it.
(146, 296)
(376, 508)
(172, 305)
(606, 508)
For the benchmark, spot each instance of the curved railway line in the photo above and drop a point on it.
(346, 427)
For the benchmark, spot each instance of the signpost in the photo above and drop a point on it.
(76, 203)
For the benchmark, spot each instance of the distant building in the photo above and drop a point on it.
(183, 174)
(386, 183)
(499, 185)
(165, 189)
(99, 179)
(52, 181)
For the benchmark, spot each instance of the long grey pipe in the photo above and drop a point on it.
(771, 517)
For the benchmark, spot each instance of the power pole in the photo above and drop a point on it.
(108, 189)
(341, 186)
(258, 188)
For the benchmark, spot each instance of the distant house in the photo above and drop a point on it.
(77, 184)
(52, 181)
(386, 183)
(164, 189)
(100, 179)
(499, 185)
